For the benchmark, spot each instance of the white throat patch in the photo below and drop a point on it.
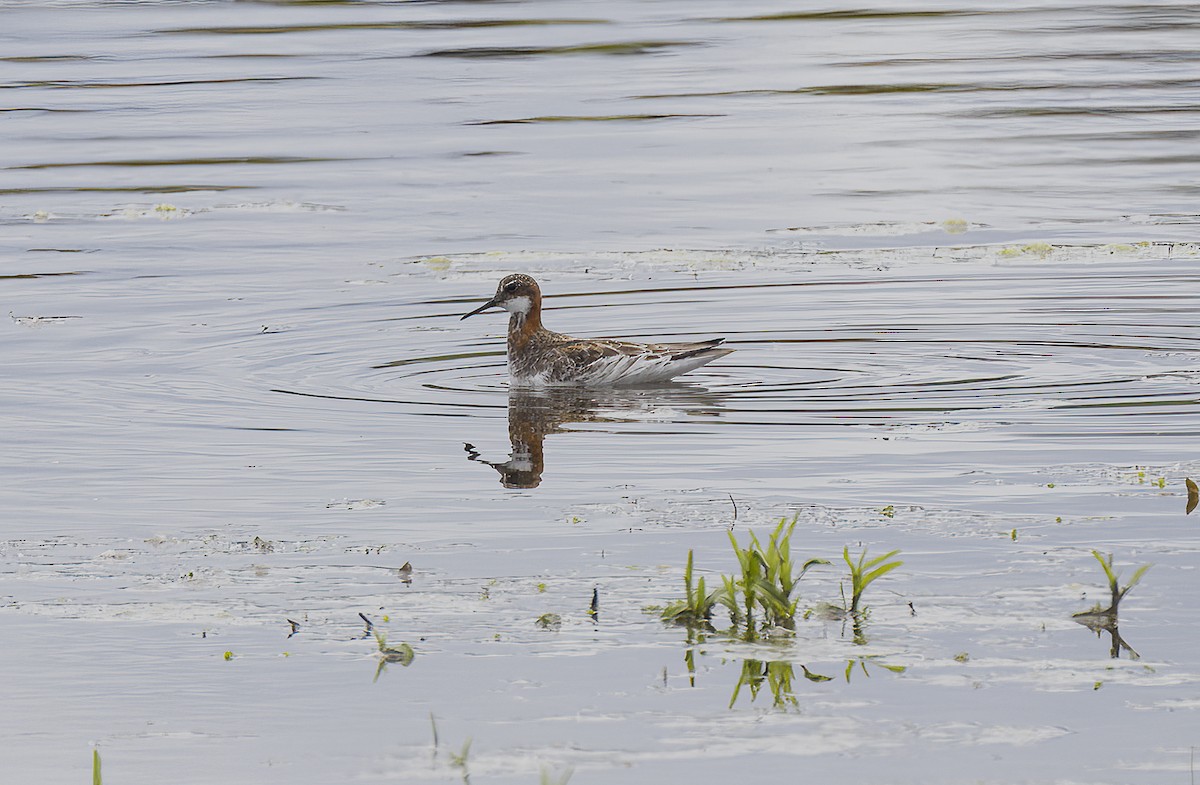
(519, 305)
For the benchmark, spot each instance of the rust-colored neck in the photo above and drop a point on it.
(523, 326)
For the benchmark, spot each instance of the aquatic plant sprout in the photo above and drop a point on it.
(1118, 592)
(461, 758)
(696, 606)
(863, 573)
(402, 654)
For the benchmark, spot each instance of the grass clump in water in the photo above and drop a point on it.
(766, 581)
(760, 596)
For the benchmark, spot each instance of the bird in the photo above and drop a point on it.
(538, 357)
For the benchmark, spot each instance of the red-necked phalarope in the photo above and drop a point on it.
(538, 357)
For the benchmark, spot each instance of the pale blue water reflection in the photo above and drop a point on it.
(953, 247)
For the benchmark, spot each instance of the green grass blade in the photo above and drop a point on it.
(96, 768)
(881, 571)
(877, 559)
(704, 600)
(737, 549)
(674, 610)
(773, 601)
(1137, 576)
(1108, 570)
(808, 565)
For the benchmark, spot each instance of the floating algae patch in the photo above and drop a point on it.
(1038, 249)
(749, 260)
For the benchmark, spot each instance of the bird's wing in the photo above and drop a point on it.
(606, 361)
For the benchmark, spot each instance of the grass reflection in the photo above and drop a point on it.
(777, 675)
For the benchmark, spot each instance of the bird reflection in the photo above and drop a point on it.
(533, 414)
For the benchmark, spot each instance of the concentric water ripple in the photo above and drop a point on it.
(1033, 346)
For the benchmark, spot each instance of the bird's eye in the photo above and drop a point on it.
(511, 286)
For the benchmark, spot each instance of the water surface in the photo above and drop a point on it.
(954, 249)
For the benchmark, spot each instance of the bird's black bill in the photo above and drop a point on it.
(489, 304)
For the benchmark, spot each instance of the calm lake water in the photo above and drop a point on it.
(956, 251)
